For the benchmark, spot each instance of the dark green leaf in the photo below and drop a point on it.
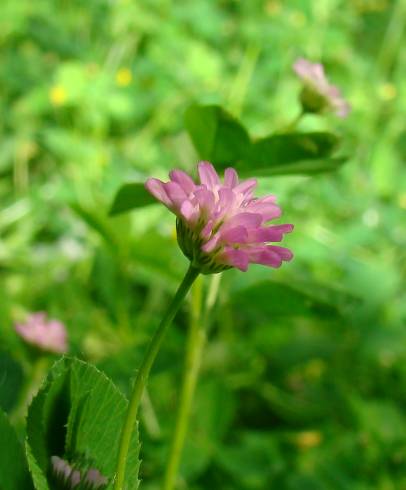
(295, 153)
(11, 379)
(274, 299)
(221, 139)
(131, 196)
(13, 465)
(216, 135)
(78, 415)
(304, 167)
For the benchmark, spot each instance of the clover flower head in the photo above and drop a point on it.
(318, 94)
(47, 335)
(222, 225)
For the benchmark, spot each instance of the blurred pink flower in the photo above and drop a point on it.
(221, 225)
(47, 335)
(318, 86)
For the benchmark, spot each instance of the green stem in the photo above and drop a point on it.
(194, 351)
(143, 373)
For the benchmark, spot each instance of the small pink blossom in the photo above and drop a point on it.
(222, 225)
(315, 80)
(47, 335)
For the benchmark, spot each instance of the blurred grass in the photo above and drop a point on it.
(92, 95)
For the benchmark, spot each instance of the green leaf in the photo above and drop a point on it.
(223, 140)
(131, 196)
(78, 415)
(14, 473)
(11, 381)
(304, 167)
(273, 299)
(216, 135)
(294, 153)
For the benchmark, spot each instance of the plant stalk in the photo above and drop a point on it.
(143, 373)
(194, 351)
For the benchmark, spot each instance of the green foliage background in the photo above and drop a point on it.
(303, 382)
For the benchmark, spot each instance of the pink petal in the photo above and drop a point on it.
(284, 253)
(267, 199)
(238, 234)
(175, 193)
(205, 199)
(247, 220)
(246, 187)
(236, 258)
(333, 92)
(49, 335)
(226, 196)
(230, 177)
(208, 175)
(312, 72)
(210, 245)
(226, 201)
(268, 210)
(37, 318)
(157, 189)
(265, 256)
(271, 234)
(270, 259)
(342, 107)
(318, 74)
(207, 229)
(183, 179)
(188, 211)
(302, 67)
